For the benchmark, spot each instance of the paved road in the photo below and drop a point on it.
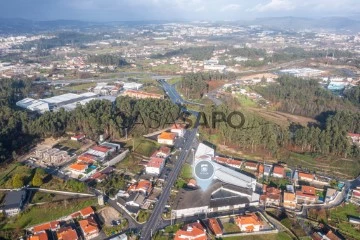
(155, 219)
(122, 77)
(174, 95)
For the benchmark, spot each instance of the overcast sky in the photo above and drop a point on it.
(120, 10)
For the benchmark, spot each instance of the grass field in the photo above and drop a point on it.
(186, 171)
(145, 147)
(130, 163)
(230, 228)
(80, 87)
(245, 101)
(47, 212)
(279, 236)
(339, 218)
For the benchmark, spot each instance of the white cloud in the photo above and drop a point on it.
(274, 5)
(230, 7)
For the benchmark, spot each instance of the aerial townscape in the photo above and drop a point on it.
(179, 120)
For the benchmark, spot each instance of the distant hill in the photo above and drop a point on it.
(298, 23)
(19, 25)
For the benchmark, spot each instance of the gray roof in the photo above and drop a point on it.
(14, 199)
(212, 196)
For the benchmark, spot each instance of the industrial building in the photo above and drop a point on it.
(56, 102)
(229, 189)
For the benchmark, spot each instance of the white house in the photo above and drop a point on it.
(155, 165)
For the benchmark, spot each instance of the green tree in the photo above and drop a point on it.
(37, 180)
(17, 181)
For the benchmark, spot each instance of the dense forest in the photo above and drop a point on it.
(303, 97)
(195, 85)
(195, 53)
(353, 95)
(107, 59)
(332, 138)
(260, 134)
(255, 134)
(19, 128)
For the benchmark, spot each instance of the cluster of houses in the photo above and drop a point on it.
(168, 137)
(306, 188)
(248, 223)
(52, 156)
(142, 194)
(87, 162)
(79, 225)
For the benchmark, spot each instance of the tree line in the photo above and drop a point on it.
(303, 97)
(107, 60)
(195, 85)
(195, 53)
(18, 128)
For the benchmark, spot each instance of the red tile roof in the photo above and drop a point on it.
(191, 232)
(103, 149)
(87, 211)
(249, 219)
(46, 226)
(214, 226)
(39, 236)
(306, 175)
(155, 162)
(167, 135)
(143, 185)
(279, 170)
(67, 233)
(227, 161)
(89, 226)
(251, 164)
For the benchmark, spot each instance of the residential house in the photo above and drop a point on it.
(271, 196)
(39, 236)
(249, 223)
(178, 129)
(87, 212)
(308, 177)
(166, 138)
(163, 152)
(135, 199)
(228, 161)
(289, 200)
(193, 231)
(355, 137)
(143, 186)
(87, 158)
(155, 165)
(78, 137)
(89, 228)
(52, 226)
(251, 165)
(306, 195)
(278, 172)
(13, 202)
(66, 233)
(215, 227)
(78, 168)
(260, 170)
